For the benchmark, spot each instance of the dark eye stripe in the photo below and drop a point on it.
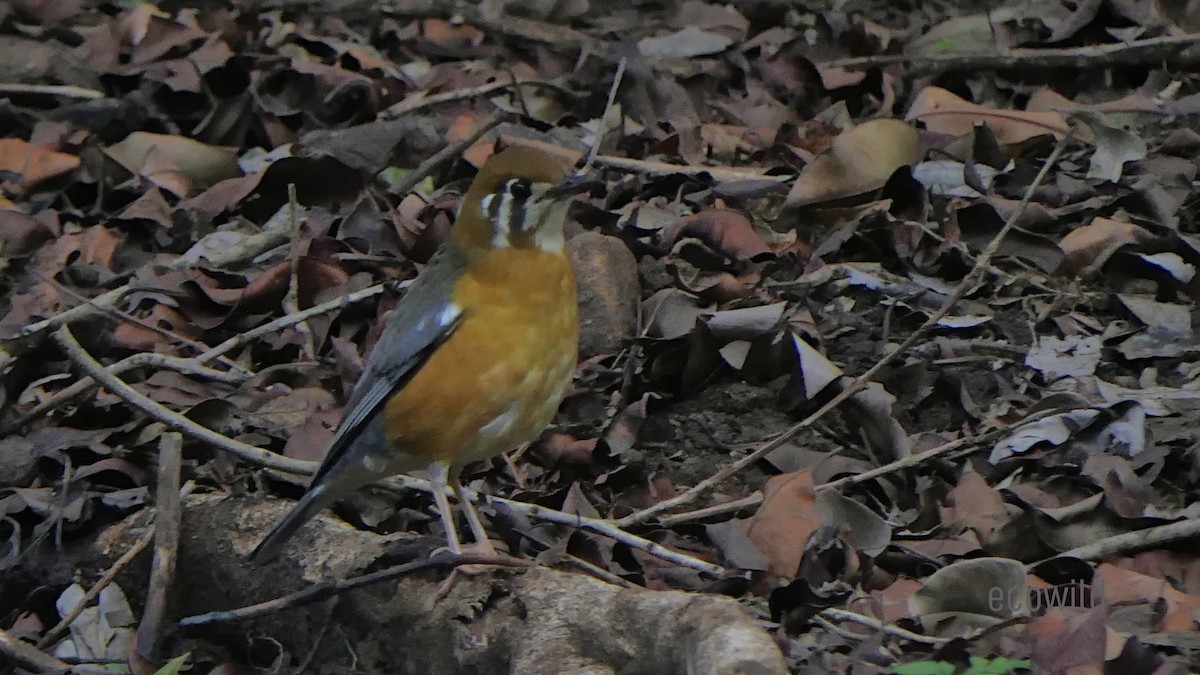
(510, 214)
(519, 188)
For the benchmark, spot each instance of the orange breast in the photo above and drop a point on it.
(497, 382)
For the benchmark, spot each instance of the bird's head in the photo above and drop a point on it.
(519, 199)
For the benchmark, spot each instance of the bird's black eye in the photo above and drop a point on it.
(519, 188)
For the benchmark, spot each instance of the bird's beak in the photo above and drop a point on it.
(573, 185)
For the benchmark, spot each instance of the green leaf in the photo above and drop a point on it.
(174, 665)
(924, 668)
(945, 45)
(996, 666)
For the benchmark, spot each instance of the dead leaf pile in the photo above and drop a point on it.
(790, 191)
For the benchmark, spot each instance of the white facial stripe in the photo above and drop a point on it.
(515, 208)
(504, 213)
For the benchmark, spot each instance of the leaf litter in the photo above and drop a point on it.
(790, 191)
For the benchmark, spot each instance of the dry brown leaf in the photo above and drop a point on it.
(975, 505)
(34, 163)
(858, 161)
(724, 230)
(1087, 248)
(783, 523)
(1126, 586)
(945, 113)
(21, 234)
(203, 164)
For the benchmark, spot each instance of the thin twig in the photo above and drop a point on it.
(167, 517)
(316, 645)
(1170, 49)
(933, 453)
(319, 592)
(1127, 542)
(597, 572)
(718, 173)
(903, 463)
(833, 614)
(292, 319)
(33, 659)
(418, 102)
(188, 366)
(863, 380)
(526, 31)
(602, 527)
(67, 342)
(59, 517)
(710, 511)
(60, 629)
(608, 529)
(51, 89)
(602, 129)
(126, 317)
(451, 151)
(291, 299)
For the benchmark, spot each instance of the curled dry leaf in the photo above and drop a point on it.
(670, 314)
(34, 163)
(725, 230)
(204, 165)
(968, 589)
(945, 113)
(976, 506)
(746, 323)
(1119, 428)
(1087, 248)
(785, 520)
(817, 371)
(1168, 328)
(684, 44)
(1114, 147)
(21, 234)
(1072, 356)
(861, 526)
(559, 449)
(1126, 586)
(858, 161)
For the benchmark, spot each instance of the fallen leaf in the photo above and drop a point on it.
(34, 163)
(945, 113)
(1085, 249)
(983, 590)
(684, 44)
(203, 164)
(1073, 356)
(858, 161)
(785, 520)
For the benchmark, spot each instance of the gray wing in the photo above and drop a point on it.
(423, 319)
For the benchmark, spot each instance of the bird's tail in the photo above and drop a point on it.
(309, 505)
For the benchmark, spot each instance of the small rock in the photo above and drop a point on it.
(608, 292)
(18, 462)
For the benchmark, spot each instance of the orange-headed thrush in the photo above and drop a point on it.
(476, 356)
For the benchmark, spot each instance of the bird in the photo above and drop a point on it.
(477, 355)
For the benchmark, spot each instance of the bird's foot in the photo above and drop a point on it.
(470, 569)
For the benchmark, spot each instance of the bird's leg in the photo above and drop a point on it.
(438, 473)
(482, 542)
